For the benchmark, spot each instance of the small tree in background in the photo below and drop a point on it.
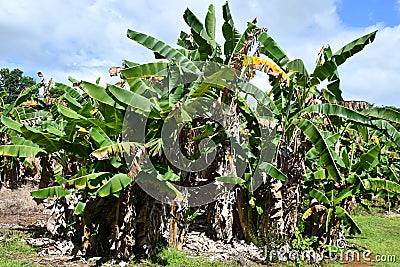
(13, 82)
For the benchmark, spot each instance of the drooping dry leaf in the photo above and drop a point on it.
(114, 71)
(267, 66)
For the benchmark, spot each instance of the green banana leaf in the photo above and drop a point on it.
(297, 65)
(251, 28)
(259, 95)
(90, 181)
(80, 208)
(345, 193)
(318, 195)
(230, 179)
(385, 113)
(322, 72)
(129, 64)
(230, 33)
(271, 49)
(319, 174)
(194, 23)
(81, 149)
(139, 86)
(21, 98)
(272, 171)
(335, 90)
(337, 110)
(215, 82)
(170, 176)
(114, 185)
(100, 138)
(106, 152)
(330, 142)
(185, 41)
(388, 130)
(17, 139)
(367, 159)
(199, 33)
(163, 49)
(175, 96)
(99, 93)
(11, 124)
(72, 102)
(146, 70)
(53, 191)
(352, 48)
(210, 24)
(73, 93)
(113, 119)
(312, 133)
(329, 67)
(23, 151)
(347, 219)
(329, 214)
(137, 102)
(49, 142)
(69, 113)
(377, 184)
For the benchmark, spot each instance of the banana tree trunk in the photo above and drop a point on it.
(273, 210)
(283, 200)
(151, 225)
(140, 222)
(178, 227)
(222, 220)
(244, 215)
(222, 211)
(11, 172)
(47, 172)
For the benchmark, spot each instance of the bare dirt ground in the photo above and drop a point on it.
(18, 210)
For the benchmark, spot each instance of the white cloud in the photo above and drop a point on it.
(83, 39)
(373, 74)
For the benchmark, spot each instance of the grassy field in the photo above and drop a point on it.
(174, 258)
(12, 251)
(380, 235)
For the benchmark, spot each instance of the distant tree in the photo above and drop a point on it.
(56, 92)
(13, 82)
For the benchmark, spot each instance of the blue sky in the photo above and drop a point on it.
(362, 13)
(84, 39)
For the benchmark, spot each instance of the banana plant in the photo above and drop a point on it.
(292, 99)
(79, 134)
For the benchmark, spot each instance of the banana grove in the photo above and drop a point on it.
(96, 144)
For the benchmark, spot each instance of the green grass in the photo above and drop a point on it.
(380, 235)
(13, 252)
(174, 258)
